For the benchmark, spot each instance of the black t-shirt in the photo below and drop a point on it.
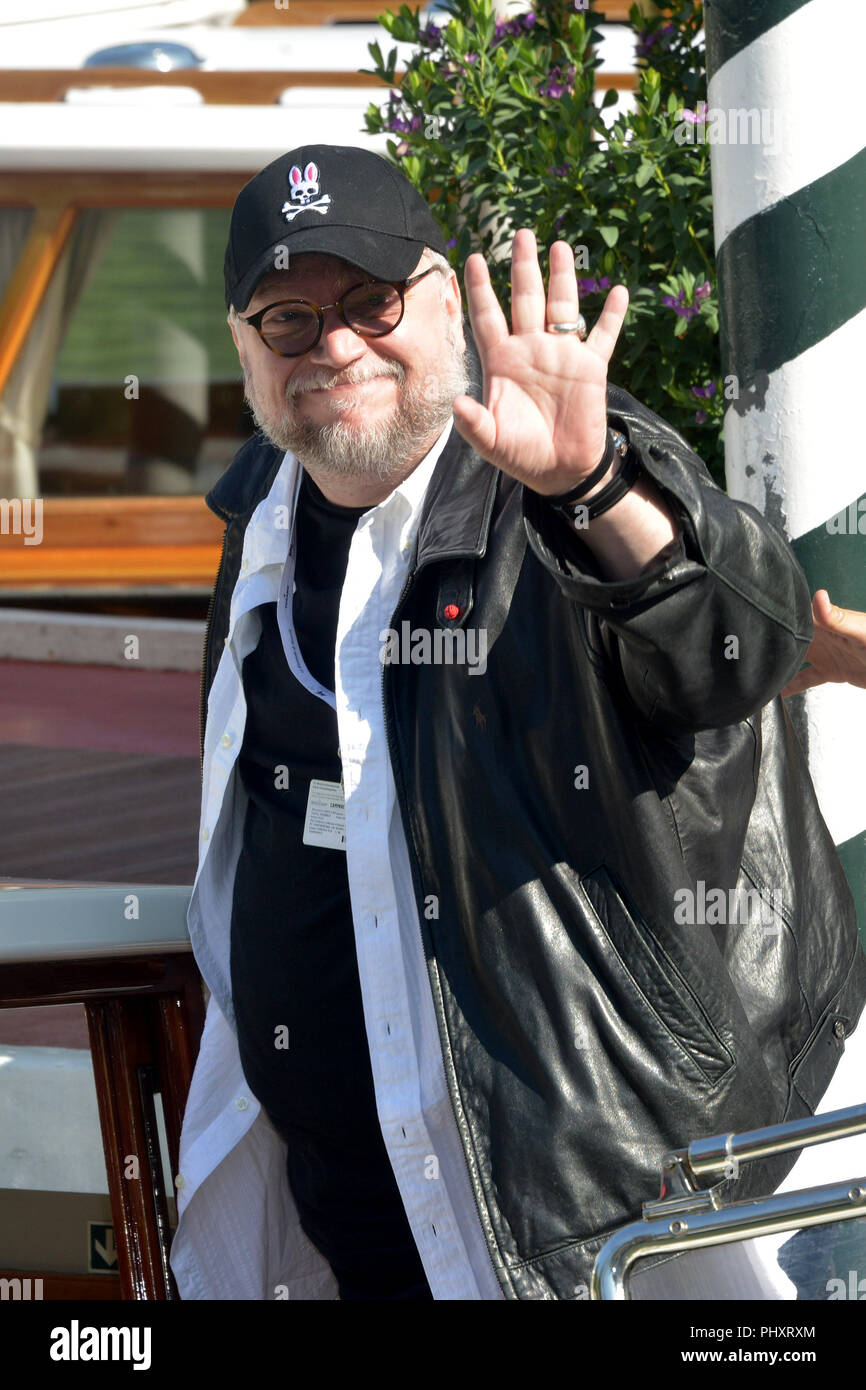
(293, 962)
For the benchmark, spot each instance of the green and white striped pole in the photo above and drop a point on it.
(786, 126)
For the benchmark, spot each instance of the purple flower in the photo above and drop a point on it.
(558, 84)
(701, 417)
(432, 35)
(559, 171)
(513, 27)
(647, 40)
(451, 243)
(591, 286)
(397, 124)
(471, 57)
(705, 392)
(698, 117)
(558, 223)
(681, 308)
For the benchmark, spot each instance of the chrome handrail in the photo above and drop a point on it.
(687, 1217)
(710, 1158)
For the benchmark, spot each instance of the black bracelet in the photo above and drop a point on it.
(617, 488)
(583, 487)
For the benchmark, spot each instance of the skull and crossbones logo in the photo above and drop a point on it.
(303, 189)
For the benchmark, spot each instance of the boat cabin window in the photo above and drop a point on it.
(143, 387)
(15, 224)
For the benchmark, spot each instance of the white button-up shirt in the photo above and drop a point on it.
(238, 1234)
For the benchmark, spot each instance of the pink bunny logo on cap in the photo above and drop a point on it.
(303, 189)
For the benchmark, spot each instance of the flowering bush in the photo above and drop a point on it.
(500, 130)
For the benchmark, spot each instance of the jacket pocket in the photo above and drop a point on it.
(656, 978)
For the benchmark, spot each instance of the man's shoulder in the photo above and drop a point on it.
(247, 479)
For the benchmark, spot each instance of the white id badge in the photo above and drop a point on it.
(325, 822)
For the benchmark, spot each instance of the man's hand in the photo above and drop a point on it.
(838, 648)
(544, 417)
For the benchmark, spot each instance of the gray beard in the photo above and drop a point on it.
(379, 449)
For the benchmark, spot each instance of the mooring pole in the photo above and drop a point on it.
(787, 132)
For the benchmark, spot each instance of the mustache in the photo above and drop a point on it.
(327, 381)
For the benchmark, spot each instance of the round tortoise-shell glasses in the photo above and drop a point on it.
(294, 326)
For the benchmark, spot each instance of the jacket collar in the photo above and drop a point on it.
(458, 504)
(246, 481)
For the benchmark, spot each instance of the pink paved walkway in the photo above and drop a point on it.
(99, 707)
(100, 778)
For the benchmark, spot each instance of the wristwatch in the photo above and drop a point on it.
(580, 512)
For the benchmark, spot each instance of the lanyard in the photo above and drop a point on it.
(285, 617)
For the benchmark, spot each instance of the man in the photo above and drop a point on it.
(474, 745)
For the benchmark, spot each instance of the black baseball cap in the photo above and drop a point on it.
(336, 199)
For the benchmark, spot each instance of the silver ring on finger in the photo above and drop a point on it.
(578, 326)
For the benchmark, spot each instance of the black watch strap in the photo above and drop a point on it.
(586, 484)
(569, 501)
(616, 488)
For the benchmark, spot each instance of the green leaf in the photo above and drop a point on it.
(641, 203)
(475, 166)
(520, 85)
(679, 216)
(510, 103)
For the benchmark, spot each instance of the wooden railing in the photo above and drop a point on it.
(259, 88)
(262, 87)
(116, 544)
(308, 12)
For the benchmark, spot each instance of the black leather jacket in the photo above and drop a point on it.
(619, 753)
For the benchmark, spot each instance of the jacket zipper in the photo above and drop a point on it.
(401, 797)
(207, 622)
